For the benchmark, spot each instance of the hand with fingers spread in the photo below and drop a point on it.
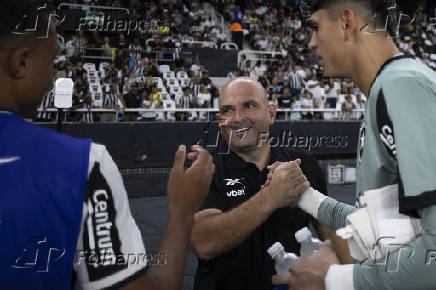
(287, 183)
(188, 188)
(309, 273)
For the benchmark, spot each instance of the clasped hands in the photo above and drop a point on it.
(285, 183)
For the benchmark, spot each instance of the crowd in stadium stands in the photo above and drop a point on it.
(146, 70)
(293, 79)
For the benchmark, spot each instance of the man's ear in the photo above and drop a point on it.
(19, 63)
(348, 23)
(272, 111)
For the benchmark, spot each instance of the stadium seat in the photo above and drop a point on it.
(164, 68)
(169, 75)
(103, 66)
(162, 90)
(229, 46)
(94, 81)
(169, 104)
(184, 83)
(182, 75)
(97, 99)
(158, 81)
(175, 90)
(172, 82)
(89, 67)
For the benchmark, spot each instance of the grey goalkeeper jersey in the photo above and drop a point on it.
(398, 134)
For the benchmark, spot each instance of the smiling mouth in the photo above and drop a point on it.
(240, 130)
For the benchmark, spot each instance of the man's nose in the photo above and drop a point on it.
(238, 116)
(313, 41)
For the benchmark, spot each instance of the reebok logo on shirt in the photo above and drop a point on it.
(234, 187)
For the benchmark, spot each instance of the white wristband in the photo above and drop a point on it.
(339, 277)
(310, 200)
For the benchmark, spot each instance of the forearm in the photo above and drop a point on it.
(173, 245)
(411, 267)
(339, 245)
(218, 233)
(326, 210)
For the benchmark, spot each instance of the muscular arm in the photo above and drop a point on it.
(215, 232)
(173, 245)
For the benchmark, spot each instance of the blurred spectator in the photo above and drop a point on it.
(60, 69)
(205, 80)
(87, 117)
(132, 100)
(295, 81)
(135, 50)
(318, 104)
(360, 105)
(70, 48)
(80, 42)
(328, 115)
(295, 105)
(237, 35)
(347, 107)
(284, 102)
(307, 103)
(257, 71)
(184, 102)
(203, 99)
(112, 100)
(155, 94)
(149, 103)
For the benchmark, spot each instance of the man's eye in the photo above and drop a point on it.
(250, 105)
(226, 110)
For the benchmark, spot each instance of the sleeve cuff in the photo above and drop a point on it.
(339, 277)
(310, 201)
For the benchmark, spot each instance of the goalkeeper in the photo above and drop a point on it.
(396, 143)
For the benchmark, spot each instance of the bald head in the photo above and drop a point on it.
(244, 113)
(244, 83)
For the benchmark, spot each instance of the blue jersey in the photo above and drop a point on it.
(43, 176)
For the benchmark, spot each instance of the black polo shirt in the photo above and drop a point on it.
(248, 266)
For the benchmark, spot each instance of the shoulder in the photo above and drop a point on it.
(405, 77)
(47, 138)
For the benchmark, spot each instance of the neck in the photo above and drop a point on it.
(368, 60)
(7, 103)
(260, 156)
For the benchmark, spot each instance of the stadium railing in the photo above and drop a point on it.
(337, 114)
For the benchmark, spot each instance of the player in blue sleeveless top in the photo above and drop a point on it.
(65, 220)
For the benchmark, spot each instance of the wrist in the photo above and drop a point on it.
(310, 200)
(180, 217)
(267, 199)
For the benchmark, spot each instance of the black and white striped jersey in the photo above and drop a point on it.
(195, 89)
(110, 99)
(87, 117)
(135, 55)
(184, 101)
(295, 80)
(47, 102)
(110, 250)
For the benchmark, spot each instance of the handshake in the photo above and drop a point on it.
(285, 183)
